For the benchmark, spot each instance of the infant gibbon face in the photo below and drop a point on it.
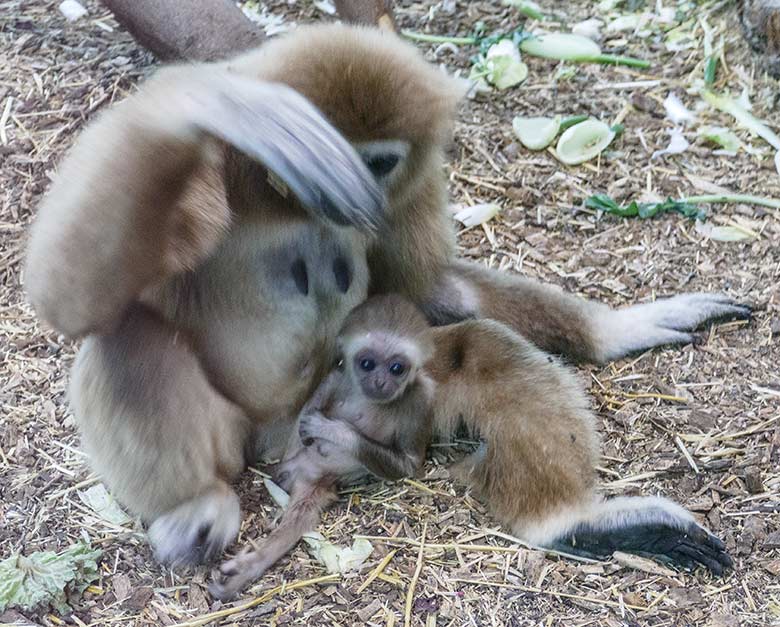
(382, 365)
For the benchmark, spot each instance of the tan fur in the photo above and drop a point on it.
(165, 241)
(540, 439)
(351, 433)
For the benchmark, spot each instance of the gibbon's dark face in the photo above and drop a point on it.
(382, 376)
(385, 159)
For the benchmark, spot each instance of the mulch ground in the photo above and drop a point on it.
(700, 423)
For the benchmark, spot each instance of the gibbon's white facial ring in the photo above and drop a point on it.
(384, 158)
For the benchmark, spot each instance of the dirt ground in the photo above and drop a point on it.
(699, 424)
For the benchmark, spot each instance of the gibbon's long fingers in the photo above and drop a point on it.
(278, 127)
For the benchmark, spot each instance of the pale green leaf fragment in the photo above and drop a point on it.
(338, 559)
(503, 65)
(536, 133)
(584, 141)
(46, 578)
(742, 116)
(279, 496)
(723, 137)
(98, 499)
(725, 233)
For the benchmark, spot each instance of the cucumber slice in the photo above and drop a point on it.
(584, 141)
(536, 133)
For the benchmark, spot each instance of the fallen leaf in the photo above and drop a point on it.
(98, 499)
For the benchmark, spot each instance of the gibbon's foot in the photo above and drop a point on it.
(665, 321)
(197, 531)
(649, 526)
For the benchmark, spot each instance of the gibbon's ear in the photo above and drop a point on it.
(141, 195)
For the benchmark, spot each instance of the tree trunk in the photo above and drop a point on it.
(208, 30)
(761, 25)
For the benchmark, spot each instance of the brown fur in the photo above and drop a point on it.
(151, 208)
(530, 412)
(388, 438)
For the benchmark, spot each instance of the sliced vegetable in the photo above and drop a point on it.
(536, 133)
(677, 144)
(570, 47)
(742, 116)
(588, 28)
(723, 137)
(560, 46)
(584, 141)
(725, 233)
(338, 559)
(477, 214)
(676, 111)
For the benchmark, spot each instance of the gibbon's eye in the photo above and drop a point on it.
(367, 364)
(381, 164)
(397, 369)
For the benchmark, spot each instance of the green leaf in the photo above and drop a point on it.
(45, 578)
(602, 202)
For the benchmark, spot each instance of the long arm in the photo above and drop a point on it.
(141, 194)
(536, 467)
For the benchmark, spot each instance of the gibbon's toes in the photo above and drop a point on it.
(222, 591)
(278, 127)
(688, 312)
(697, 547)
(196, 531)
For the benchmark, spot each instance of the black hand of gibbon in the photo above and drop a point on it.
(278, 127)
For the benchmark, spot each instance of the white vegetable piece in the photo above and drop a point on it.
(589, 28)
(72, 10)
(677, 144)
(536, 133)
(280, 497)
(477, 214)
(724, 233)
(560, 46)
(584, 141)
(676, 111)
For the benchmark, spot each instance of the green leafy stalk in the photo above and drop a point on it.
(746, 199)
(440, 39)
(575, 119)
(686, 206)
(710, 70)
(612, 59)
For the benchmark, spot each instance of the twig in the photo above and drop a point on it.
(377, 571)
(415, 578)
(230, 611)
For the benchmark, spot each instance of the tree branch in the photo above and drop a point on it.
(209, 30)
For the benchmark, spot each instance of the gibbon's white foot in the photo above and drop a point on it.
(664, 321)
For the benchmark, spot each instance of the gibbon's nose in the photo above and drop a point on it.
(379, 385)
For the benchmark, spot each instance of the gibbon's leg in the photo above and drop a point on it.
(113, 224)
(163, 440)
(566, 324)
(536, 466)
